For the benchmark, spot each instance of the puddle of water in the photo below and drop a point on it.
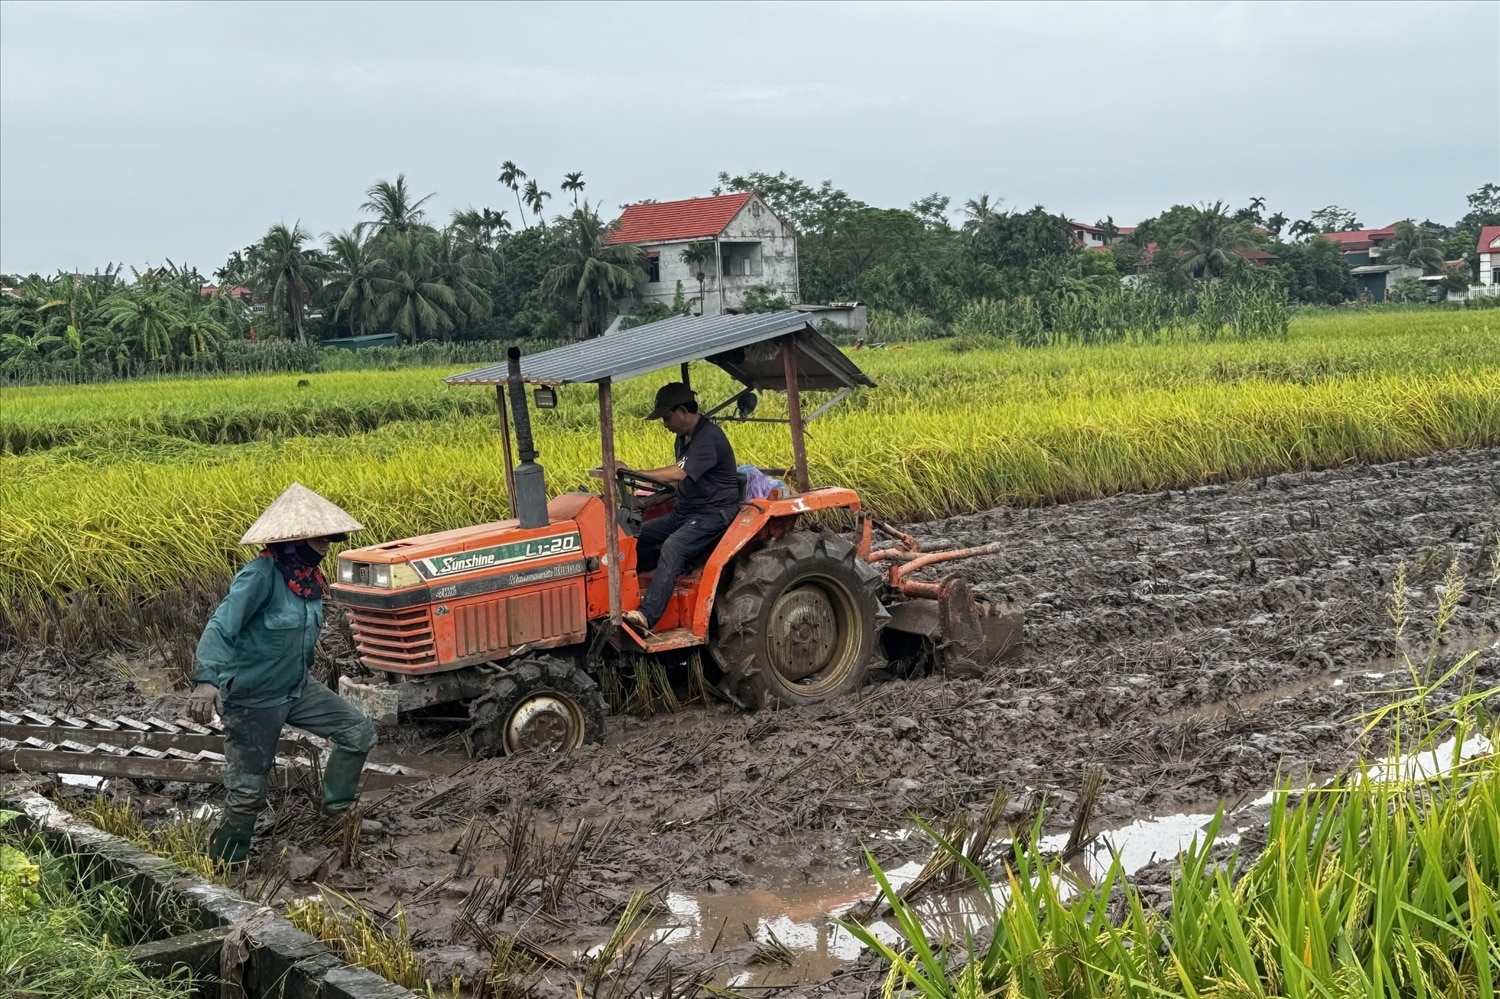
(801, 917)
(1432, 762)
(1143, 842)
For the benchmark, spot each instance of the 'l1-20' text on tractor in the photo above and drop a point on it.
(517, 619)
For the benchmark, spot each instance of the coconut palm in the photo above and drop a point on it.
(978, 214)
(350, 288)
(467, 226)
(409, 299)
(592, 273)
(393, 207)
(536, 199)
(465, 270)
(699, 256)
(1302, 228)
(1413, 246)
(511, 176)
(573, 182)
(288, 273)
(1208, 243)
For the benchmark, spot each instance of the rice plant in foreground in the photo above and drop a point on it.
(60, 932)
(1383, 883)
(351, 931)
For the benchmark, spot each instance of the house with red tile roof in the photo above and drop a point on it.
(747, 245)
(1489, 256)
(1361, 247)
(1093, 237)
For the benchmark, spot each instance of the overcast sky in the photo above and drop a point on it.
(147, 131)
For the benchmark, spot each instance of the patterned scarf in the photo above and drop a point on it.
(297, 561)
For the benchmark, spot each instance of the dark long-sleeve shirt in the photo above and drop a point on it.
(258, 645)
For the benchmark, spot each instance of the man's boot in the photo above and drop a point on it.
(341, 776)
(230, 843)
(341, 781)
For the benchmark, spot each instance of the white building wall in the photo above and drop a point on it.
(1487, 268)
(756, 248)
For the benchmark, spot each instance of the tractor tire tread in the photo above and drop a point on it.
(758, 581)
(533, 675)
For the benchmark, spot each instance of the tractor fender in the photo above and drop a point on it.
(756, 520)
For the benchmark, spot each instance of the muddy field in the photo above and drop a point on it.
(1194, 646)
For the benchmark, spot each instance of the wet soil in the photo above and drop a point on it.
(1196, 646)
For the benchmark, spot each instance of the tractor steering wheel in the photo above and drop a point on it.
(639, 493)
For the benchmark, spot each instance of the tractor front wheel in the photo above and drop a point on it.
(798, 623)
(542, 704)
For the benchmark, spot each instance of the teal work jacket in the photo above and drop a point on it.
(258, 645)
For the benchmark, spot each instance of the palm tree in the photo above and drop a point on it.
(979, 214)
(511, 176)
(465, 270)
(467, 226)
(1302, 228)
(592, 272)
(393, 207)
(146, 316)
(699, 256)
(287, 273)
(573, 182)
(351, 276)
(1276, 223)
(410, 300)
(536, 198)
(199, 332)
(235, 271)
(1209, 242)
(1413, 246)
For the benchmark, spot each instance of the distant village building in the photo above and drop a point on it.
(748, 246)
(852, 316)
(1093, 237)
(1361, 247)
(241, 292)
(1489, 257)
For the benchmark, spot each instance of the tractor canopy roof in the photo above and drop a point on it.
(748, 347)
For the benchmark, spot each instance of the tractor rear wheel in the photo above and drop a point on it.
(797, 625)
(542, 704)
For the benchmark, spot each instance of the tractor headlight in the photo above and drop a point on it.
(380, 575)
(346, 571)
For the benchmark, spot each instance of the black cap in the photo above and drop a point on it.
(669, 397)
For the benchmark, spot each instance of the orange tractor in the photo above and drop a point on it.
(517, 619)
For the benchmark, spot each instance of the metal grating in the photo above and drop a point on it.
(399, 639)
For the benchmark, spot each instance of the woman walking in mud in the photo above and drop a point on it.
(252, 665)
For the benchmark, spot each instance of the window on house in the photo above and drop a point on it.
(653, 267)
(755, 209)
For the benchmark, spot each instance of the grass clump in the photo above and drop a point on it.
(1384, 882)
(61, 928)
(352, 932)
(184, 842)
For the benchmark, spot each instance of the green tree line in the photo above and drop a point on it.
(479, 278)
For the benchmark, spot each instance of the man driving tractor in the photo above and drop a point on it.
(708, 496)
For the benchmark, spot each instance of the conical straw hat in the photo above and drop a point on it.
(297, 514)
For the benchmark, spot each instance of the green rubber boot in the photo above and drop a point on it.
(230, 843)
(341, 781)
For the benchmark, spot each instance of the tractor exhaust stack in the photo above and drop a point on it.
(531, 480)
